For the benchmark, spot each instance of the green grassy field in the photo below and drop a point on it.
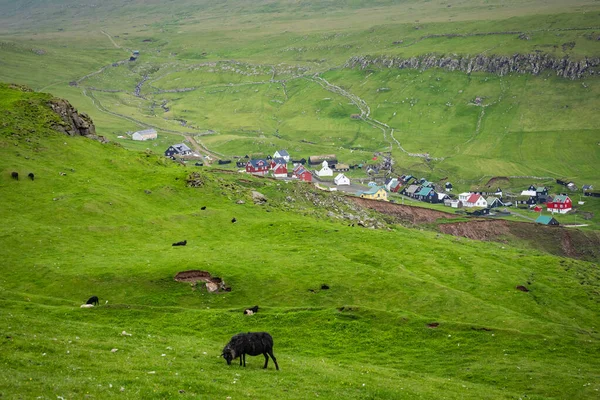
(254, 77)
(106, 228)
(248, 75)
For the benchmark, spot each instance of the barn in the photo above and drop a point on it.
(146, 134)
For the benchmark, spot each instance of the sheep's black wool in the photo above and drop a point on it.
(251, 343)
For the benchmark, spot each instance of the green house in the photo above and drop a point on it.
(546, 220)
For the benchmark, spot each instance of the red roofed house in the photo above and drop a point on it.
(279, 167)
(475, 200)
(561, 204)
(257, 166)
(302, 173)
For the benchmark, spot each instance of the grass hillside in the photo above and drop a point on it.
(106, 228)
(272, 74)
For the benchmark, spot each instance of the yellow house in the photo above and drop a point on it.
(375, 193)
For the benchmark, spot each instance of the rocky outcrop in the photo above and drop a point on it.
(73, 123)
(500, 65)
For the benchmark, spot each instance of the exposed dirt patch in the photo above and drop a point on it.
(567, 244)
(522, 288)
(213, 284)
(497, 181)
(433, 325)
(554, 240)
(477, 229)
(414, 215)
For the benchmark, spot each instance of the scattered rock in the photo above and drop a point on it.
(147, 191)
(195, 180)
(258, 198)
(125, 333)
(114, 350)
(240, 202)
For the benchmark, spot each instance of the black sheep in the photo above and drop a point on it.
(180, 243)
(233, 220)
(15, 175)
(92, 300)
(30, 175)
(251, 343)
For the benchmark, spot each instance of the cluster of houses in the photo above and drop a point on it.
(277, 166)
(407, 185)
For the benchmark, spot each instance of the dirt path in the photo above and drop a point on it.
(200, 148)
(111, 39)
(365, 114)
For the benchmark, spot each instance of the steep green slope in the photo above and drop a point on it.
(106, 228)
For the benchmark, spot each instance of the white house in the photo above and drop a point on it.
(529, 193)
(475, 200)
(325, 170)
(146, 134)
(391, 183)
(341, 179)
(464, 196)
(282, 154)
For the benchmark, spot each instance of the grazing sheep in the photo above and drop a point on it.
(30, 175)
(92, 300)
(203, 208)
(15, 175)
(233, 220)
(251, 343)
(183, 243)
(251, 310)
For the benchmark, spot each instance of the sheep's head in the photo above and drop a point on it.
(228, 354)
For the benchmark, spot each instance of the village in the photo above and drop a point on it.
(326, 173)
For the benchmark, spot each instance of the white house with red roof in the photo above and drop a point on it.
(561, 204)
(472, 200)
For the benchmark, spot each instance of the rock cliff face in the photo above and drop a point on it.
(73, 122)
(499, 65)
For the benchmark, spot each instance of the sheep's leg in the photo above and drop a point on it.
(241, 355)
(244, 355)
(266, 360)
(274, 360)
